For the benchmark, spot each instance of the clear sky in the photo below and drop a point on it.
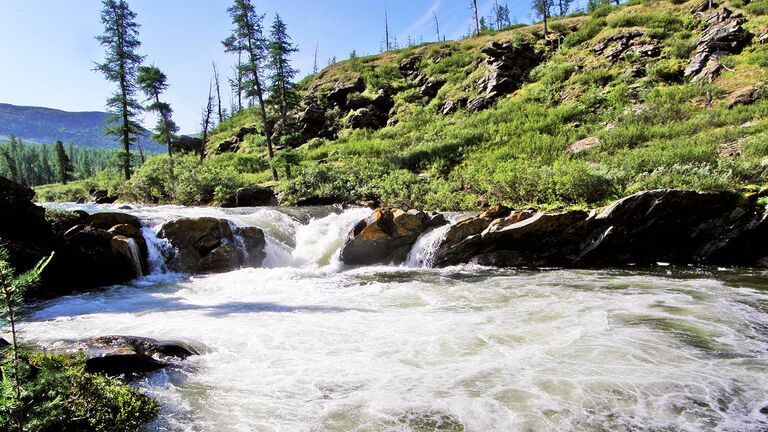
(48, 49)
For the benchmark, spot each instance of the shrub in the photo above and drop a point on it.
(590, 29)
(61, 396)
(195, 182)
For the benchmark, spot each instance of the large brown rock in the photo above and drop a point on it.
(385, 237)
(209, 245)
(108, 220)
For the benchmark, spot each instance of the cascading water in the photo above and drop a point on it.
(135, 256)
(424, 251)
(306, 344)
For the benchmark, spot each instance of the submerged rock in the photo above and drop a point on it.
(385, 237)
(128, 355)
(209, 245)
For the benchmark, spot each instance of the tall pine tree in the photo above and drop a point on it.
(248, 38)
(153, 82)
(120, 41)
(63, 163)
(281, 73)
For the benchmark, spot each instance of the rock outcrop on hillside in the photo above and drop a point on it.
(724, 34)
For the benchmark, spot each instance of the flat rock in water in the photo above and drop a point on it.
(129, 355)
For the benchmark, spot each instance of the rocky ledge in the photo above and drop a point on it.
(674, 226)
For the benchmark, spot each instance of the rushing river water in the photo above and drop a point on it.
(307, 344)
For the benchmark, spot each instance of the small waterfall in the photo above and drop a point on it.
(424, 251)
(157, 249)
(135, 256)
(319, 242)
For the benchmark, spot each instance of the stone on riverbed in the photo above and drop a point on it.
(386, 236)
(210, 245)
(128, 355)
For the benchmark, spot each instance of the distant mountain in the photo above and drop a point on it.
(46, 125)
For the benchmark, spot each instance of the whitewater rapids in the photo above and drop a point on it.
(308, 344)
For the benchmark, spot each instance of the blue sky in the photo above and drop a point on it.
(47, 47)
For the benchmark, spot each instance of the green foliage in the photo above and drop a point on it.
(196, 183)
(589, 30)
(660, 20)
(757, 7)
(58, 395)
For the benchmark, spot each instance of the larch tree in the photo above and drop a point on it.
(221, 111)
(120, 40)
(248, 38)
(63, 163)
(153, 82)
(281, 73)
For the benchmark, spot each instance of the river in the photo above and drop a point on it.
(307, 344)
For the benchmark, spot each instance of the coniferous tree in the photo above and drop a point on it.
(222, 112)
(153, 82)
(12, 290)
(476, 16)
(63, 163)
(563, 6)
(120, 40)
(281, 72)
(247, 37)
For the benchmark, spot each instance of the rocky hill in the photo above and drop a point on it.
(46, 125)
(646, 95)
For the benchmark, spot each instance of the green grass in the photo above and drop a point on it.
(655, 130)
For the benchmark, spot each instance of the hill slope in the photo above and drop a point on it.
(649, 94)
(46, 125)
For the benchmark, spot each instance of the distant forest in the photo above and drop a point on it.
(39, 164)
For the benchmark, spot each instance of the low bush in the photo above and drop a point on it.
(58, 395)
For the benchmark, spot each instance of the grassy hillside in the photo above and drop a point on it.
(46, 125)
(604, 112)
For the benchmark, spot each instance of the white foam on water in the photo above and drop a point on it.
(309, 345)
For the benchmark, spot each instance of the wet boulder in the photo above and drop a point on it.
(385, 237)
(210, 245)
(128, 355)
(252, 197)
(461, 242)
(108, 220)
(95, 257)
(541, 239)
(677, 226)
(102, 197)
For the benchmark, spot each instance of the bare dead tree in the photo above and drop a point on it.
(437, 25)
(218, 91)
(207, 114)
(386, 28)
(477, 19)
